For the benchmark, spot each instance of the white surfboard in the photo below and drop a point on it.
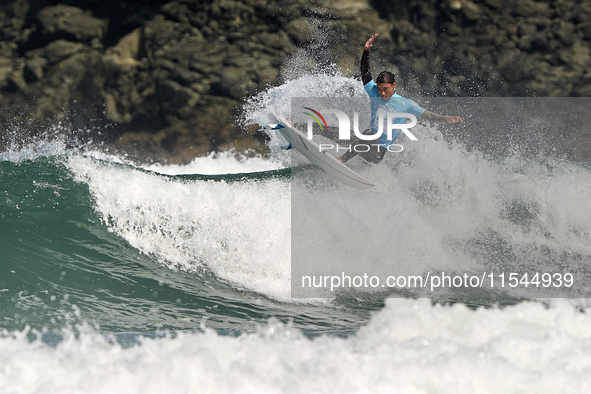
(324, 160)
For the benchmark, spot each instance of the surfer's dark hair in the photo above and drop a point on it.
(385, 77)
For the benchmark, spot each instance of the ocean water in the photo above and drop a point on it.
(122, 278)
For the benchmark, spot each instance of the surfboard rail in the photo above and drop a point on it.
(311, 150)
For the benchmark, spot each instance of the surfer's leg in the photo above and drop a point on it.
(352, 152)
(375, 154)
(348, 156)
(332, 133)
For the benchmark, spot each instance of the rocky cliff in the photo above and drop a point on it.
(162, 80)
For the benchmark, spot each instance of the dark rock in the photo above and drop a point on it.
(266, 75)
(175, 95)
(6, 67)
(585, 29)
(494, 4)
(34, 68)
(530, 8)
(565, 32)
(232, 81)
(15, 81)
(471, 10)
(582, 90)
(59, 50)
(576, 56)
(71, 22)
(177, 12)
(298, 30)
(172, 72)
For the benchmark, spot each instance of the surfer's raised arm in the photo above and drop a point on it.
(365, 73)
(384, 87)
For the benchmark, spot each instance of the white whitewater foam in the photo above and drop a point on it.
(440, 208)
(437, 207)
(34, 150)
(258, 108)
(409, 347)
(219, 163)
(240, 230)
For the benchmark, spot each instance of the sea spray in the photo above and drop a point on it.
(410, 346)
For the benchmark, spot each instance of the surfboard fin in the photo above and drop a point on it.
(286, 147)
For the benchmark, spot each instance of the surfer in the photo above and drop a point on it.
(384, 87)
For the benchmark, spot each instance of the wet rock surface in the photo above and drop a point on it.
(163, 80)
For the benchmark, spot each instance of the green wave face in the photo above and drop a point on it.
(62, 265)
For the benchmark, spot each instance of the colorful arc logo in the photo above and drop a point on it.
(315, 118)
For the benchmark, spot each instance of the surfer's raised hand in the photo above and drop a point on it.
(369, 42)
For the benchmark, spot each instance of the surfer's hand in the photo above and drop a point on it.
(453, 119)
(369, 42)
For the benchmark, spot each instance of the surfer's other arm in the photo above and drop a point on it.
(436, 118)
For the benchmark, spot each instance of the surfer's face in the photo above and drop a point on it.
(386, 90)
